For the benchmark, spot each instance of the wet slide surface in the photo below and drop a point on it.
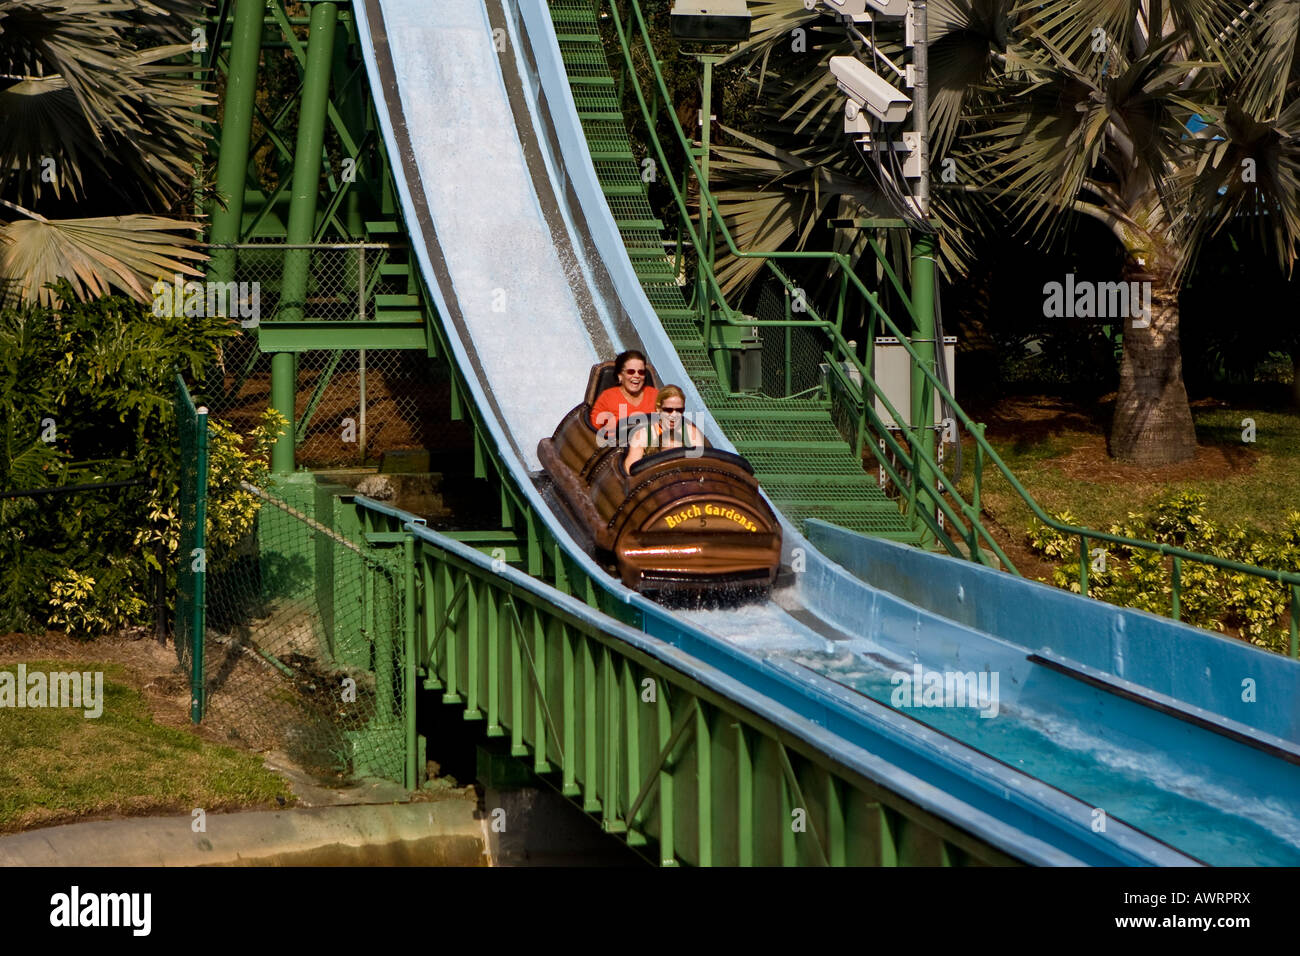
(516, 255)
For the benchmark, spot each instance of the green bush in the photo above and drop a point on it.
(86, 395)
(1209, 597)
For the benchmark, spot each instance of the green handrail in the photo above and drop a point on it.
(984, 450)
(840, 344)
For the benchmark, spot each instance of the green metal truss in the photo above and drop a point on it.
(311, 175)
(681, 772)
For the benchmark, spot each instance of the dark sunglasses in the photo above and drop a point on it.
(672, 411)
(633, 371)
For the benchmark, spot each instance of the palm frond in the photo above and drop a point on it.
(1085, 31)
(80, 40)
(775, 198)
(771, 22)
(173, 20)
(964, 35)
(129, 253)
(1275, 59)
(1249, 171)
(45, 140)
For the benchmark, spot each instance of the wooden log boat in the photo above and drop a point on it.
(686, 519)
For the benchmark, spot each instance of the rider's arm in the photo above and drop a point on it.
(635, 449)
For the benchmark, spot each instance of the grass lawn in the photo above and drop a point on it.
(60, 766)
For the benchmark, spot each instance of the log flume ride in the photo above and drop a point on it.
(684, 522)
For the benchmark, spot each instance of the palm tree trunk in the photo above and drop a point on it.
(1153, 421)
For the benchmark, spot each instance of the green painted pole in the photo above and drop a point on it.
(923, 249)
(1083, 565)
(409, 664)
(706, 233)
(199, 619)
(236, 134)
(302, 214)
(1176, 587)
(1295, 621)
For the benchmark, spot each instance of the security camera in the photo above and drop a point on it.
(869, 89)
(711, 21)
(856, 10)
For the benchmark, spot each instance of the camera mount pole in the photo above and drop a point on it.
(924, 246)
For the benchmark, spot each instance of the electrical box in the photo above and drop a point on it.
(892, 371)
(737, 355)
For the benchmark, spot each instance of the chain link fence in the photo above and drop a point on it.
(790, 355)
(293, 636)
(351, 405)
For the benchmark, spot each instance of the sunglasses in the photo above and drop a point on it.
(633, 371)
(672, 411)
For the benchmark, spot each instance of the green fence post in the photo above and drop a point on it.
(1083, 565)
(1176, 607)
(1295, 620)
(976, 492)
(408, 665)
(198, 700)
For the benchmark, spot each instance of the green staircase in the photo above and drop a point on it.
(802, 462)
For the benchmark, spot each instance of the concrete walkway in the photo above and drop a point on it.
(440, 833)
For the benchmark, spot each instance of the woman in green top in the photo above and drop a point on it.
(667, 430)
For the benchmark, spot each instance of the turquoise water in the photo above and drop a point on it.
(1205, 817)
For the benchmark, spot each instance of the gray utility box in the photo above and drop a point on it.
(737, 356)
(892, 370)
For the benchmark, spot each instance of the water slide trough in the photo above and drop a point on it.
(1061, 730)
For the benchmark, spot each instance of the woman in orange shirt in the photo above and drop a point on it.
(631, 396)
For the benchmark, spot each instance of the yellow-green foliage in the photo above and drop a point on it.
(231, 511)
(86, 606)
(1210, 597)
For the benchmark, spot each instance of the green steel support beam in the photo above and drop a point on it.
(412, 776)
(302, 213)
(236, 130)
(286, 338)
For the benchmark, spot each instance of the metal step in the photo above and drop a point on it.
(396, 301)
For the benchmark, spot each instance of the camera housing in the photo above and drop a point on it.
(869, 89)
(857, 10)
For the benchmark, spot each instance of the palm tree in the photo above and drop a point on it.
(1162, 121)
(98, 116)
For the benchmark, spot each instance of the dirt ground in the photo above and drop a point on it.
(1033, 418)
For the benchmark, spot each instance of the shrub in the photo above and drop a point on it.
(86, 395)
(1210, 597)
